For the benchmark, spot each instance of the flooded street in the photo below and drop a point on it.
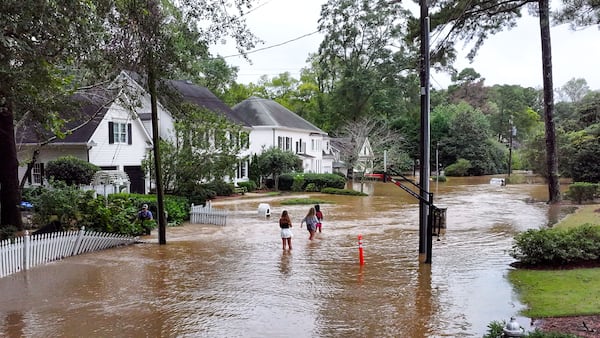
(235, 281)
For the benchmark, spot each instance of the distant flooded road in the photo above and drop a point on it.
(235, 281)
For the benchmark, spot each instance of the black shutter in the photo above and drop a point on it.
(111, 135)
(29, 177)
(129, 138)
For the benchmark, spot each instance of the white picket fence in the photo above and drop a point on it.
(207, 215)
(25, 252)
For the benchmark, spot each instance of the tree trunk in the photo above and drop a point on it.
(10, 194)
(551, 157)
(34, 158)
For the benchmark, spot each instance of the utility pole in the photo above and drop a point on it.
(510, 141)
(424, 219)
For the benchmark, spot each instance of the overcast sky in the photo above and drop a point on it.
(510, 57)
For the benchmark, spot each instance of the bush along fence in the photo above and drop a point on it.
(207, 215)
(25, 252)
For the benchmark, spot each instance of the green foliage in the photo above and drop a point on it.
(249, 185)
(59, 202)
(201, 137)
(302, 201)
(299, 182)
(557, 292)
(275, 161)
(311, 187)
(557, 246)
(439, 178)
(582, 191)
(74, 208)
(176, 207)
(495, 329)
(460, 168)
(349, 192)
(8, 232)
(355, 60)
(254, 170)
(71, 170)
(220, 187)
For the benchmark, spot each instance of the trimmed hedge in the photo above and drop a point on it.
(315, 182)
(557, 246)
(335, 191)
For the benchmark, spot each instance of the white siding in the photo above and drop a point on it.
(265, 137)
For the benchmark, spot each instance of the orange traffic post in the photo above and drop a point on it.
(361, 257)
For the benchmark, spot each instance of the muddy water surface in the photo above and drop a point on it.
(235, 281)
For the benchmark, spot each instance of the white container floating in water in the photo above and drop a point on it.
(264, 209)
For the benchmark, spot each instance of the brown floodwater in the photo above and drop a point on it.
(236, 281)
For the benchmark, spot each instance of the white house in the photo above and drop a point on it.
(114, 137)
(273, 125)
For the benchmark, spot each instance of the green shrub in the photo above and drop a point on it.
(176, 207)
(311, 187)
(298, 182)
(60, 202)
(516, 179)
(71, 170)
(250, 185)
(557, 246)
(220, 187)
(286, 182)
(7, 232)
(439, 178)
(460, 168)
(336, 191)
(582, 191)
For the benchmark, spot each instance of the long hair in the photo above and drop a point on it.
(311, 212)
(285, 217)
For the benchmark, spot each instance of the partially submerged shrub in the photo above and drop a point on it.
(335, 191)
(582, 191)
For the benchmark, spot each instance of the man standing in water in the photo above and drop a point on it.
(145, 215)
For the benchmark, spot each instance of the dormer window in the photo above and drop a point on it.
(119, 132)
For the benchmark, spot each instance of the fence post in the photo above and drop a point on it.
(26, 250)
(78, 241)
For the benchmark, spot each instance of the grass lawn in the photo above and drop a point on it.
(299, 201)
(553, 293)
(583, 214)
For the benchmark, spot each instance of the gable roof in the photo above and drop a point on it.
(256, 111)
(90, 109)
(204, 98)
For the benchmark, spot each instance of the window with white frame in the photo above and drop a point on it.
(315, 145)
(284, 143)
(119, 132)
(37, 173)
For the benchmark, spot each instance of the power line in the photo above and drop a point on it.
(273, 46)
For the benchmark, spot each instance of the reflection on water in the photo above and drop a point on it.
(235, 281)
